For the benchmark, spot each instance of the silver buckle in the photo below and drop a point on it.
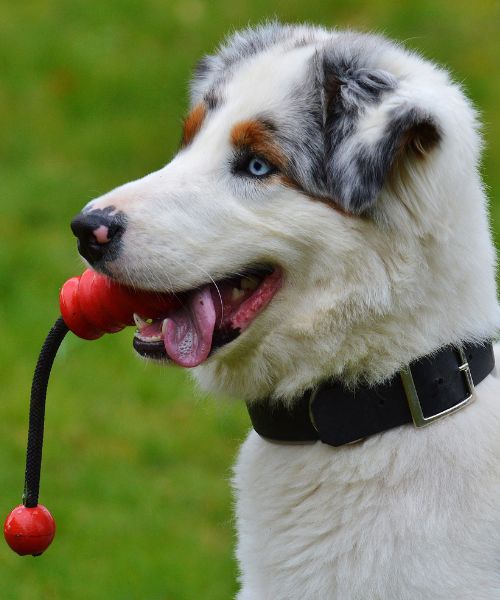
(413, 400)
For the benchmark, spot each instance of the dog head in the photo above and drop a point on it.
(323, 216)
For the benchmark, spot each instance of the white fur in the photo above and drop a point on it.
(408, 514)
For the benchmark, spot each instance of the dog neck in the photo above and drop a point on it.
(429, 389)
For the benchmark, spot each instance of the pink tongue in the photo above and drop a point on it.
(189, 329)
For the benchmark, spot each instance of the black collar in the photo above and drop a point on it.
(430, 388)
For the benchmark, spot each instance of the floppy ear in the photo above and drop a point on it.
(369, 129)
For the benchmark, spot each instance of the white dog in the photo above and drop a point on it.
(324, 226)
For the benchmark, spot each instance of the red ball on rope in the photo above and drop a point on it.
(91, 305)
(29, 530)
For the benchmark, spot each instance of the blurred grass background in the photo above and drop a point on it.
(136, 465)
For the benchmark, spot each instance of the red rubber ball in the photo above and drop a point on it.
(29, 530)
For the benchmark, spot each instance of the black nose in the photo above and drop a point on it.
(99, 233)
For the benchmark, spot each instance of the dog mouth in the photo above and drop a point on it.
(207, 317)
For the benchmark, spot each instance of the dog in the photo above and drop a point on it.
(325, 229)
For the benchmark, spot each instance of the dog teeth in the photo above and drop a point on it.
(249, 283)
(149, 338)
(139, 321)
(164, 328)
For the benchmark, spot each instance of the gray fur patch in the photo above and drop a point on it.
(326, 157)
(357, 171)
(322, 113)
(317, 128)
(354, 174)
(249, 42)
(213, 71)
(212, 99)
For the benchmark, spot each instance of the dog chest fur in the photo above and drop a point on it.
(406, 514)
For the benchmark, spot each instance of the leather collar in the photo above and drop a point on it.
(428, 389)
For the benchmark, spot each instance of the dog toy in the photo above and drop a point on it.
(91, 305)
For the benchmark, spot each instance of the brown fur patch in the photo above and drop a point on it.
(258, 138)
(423, 138)
(415, 145)
(193, 123)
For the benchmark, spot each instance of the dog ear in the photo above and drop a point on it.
(369, 130)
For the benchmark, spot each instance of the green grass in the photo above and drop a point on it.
(136, 466)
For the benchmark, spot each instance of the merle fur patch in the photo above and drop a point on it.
(319, 130)
(212, 71)
(357, 171)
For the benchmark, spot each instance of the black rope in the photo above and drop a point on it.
(37, 411)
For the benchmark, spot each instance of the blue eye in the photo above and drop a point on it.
(258, 167)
